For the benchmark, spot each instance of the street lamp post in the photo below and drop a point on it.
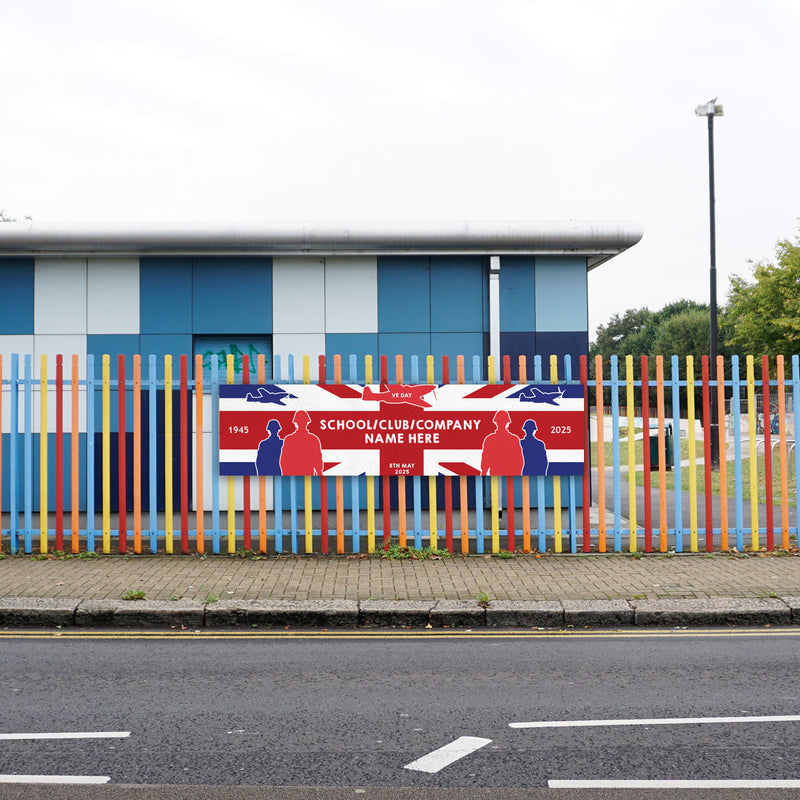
(711, 110)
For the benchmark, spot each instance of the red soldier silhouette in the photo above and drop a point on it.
(302, 450)
(502, 451)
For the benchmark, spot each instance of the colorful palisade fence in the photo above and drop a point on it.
(129, 463)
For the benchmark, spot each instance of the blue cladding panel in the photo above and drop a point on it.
(113, 345)
(167, 344)
(165, 295)
(232, 295)
(404, 302)
(51, 477)
(406, 345)
(517, 292)
(560, 343)
(454, 345)
(516, 344)
(459, 293)
(343, 344)
(16, 289)
(561, 294)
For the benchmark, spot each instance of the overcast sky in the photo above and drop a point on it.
(415, 109)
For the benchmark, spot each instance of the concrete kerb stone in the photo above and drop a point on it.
(793, 603)
(20, 612)
(525, 614)
(140, 613)
(395, 613)
(457, 614)
(712, 611)
(29, 612)
(282, 613)
(597, 613)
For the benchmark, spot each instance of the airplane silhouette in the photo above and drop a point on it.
(532, 394)
(401, 395)
(269, 394)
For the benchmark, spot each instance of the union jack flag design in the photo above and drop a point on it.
(398, 429)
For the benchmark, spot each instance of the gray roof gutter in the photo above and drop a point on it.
(596, 240)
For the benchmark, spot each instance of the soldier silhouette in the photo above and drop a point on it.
(268, 458)
(302, 450)
(501, 453)
(534, 451)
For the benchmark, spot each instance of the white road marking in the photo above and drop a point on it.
(674, 784)
(54, 778)
(592, 723)
(67, 735)
(444, 756)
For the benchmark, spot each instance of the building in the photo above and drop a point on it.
(293, 289)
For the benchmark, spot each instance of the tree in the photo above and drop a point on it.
(641, 332)
(765, 314)
(683, 334)
(623, 335)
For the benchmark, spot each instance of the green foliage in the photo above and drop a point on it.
(683, 334)
(134, 594)
(211, 598)
(394, 551)
(680, 328)
(623, 335)
(483, 600)
(766, 313)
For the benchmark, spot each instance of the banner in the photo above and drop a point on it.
(342, 429)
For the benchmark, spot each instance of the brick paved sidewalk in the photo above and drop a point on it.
(566, 577)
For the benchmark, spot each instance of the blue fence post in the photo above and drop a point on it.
(90, 401)
(13, 474)
(541, 480)
(417, 484)
(480, 531)
(355, 500)
(293, 479)
(796, 411)
(153, 453)
(614, 386)
(573, 532)
(277, 481)
(28, 475)
(736, 411)
(676, 453)
(215, 533)
(13, 459)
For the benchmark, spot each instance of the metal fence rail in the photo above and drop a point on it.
(129, 464)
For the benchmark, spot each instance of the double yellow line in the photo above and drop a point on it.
(394, 634)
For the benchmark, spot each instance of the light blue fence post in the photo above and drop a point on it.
(416, 482)
(90, 498)
(355, 513)
(676, 453)
(541, 480)
(277, 485)
(28, 475)
(796, 412)
(614, 386)
(736, 411)
(215, 533)
(152, 452)
(13, 460)
(293, 480)
(480, 531)
(573, 530)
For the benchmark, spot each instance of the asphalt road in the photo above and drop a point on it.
(354, 712)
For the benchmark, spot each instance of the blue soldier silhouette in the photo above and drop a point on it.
(268, 459)
(533, 451)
